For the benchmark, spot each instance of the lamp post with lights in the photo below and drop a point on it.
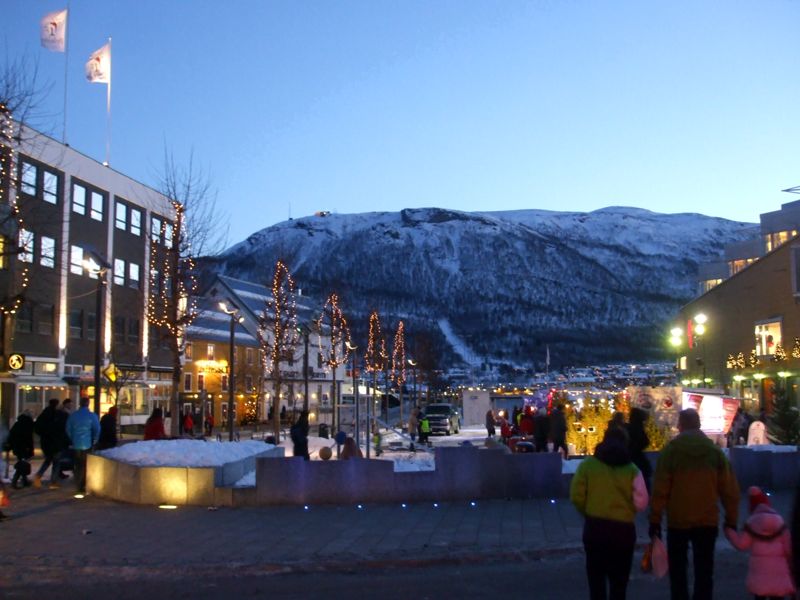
(229, 308)
(700, 330)
(99, 267)
(676, 341)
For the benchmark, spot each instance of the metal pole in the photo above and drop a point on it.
(705, 385)
(305, 373)
(98, 339)
(355, 400)
(232, 378)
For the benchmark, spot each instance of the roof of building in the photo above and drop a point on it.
(213, 325)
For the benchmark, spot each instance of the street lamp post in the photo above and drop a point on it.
(98, 267)
(352, 347)
(416, 398)
(700, 329)
(232, 310)
(676, 341)
(305, 331)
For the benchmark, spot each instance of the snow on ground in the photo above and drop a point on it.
(184, 453)
(248, 480)
(315, 444)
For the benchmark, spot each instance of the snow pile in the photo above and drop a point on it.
(570, 466)
(248, 480)
(184, 453)
(410, 461)
(315, 444)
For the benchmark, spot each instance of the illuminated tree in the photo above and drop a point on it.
(277, 335)
(741, 363)
(332, 320)
(753, 361)
(796, 348)
(195, 231)
(780, 353)
(375, 357)
(399, 363)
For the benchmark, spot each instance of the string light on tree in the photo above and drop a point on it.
(753, 361)
(796, 348)
(741, 363)
(399, 356)
(780, 353)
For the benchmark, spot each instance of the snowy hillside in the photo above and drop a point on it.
(498, 286)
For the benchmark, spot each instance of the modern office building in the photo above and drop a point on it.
(63, 216)
(775, 229)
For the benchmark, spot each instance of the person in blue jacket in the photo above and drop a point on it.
(83, 429)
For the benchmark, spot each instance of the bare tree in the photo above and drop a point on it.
(332, 319)
(277, 335)
(375, 356)
(198, 230)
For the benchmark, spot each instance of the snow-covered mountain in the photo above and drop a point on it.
(495, 287)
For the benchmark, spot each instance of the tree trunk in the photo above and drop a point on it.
(276, 412)
(173, 400)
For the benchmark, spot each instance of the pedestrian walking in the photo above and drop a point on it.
(188, 424)
(692, 476)
(639, 442)
(154, 427)
(541, 426)
(608, 490)
(50, 429)
(299, 435)
(413, 424)
(83, 429)
(66, 459)
(769, 573)
(558, 430)
(491, 423)
(209, 424)
(424, 429)
(108, 430)
(20, 443)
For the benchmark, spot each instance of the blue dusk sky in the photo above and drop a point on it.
(355, 106)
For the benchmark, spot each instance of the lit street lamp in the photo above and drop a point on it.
(98, 266)
(352, 347)
(676, 341)
(700, 330)
(231, 375)
(416, 398)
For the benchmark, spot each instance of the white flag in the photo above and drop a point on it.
(54, 30)
(548, 355)
(98, 69)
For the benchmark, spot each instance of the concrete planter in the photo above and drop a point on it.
(166, 485)
(461, 474)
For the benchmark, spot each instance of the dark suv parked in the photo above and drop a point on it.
(443, 418)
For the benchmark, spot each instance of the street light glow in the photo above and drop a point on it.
(676, 331)
(675, 340)
(700, 319)
(700, 329)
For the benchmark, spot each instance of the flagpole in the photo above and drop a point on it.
(66, 79)
(108, 110)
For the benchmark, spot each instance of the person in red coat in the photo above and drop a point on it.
(526, 424)
(154, 427)
(188, 425)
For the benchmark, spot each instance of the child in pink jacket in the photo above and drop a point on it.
(770, 544)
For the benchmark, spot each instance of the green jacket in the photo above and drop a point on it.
(692, 477)
(609, 492)
(424, 425)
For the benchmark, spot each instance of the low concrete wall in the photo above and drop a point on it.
(461, 474)
(166, 485)
(770, 470)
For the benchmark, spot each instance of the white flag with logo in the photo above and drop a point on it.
(98, 69)
(54, 31)
(548, 355)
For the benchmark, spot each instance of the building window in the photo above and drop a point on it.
(187, 382)
(91, 326)
(119, 330)
(3, 250)
(26, 240)
(168, 231)
(133, 331)
(79, 199)
(709, 284)
(119, 271)
(47, 254)
(76, 324)
(122, 216)
(768, 336)
(201, 382)
(29, 175)
(97, 206)
(136, 222)
(154, 336)
(210, 352)
(155, 282)
(45, 320)
(50, 188)
(76, 260)
(155, 230)
(133, 276)
(224, 382)
(24, 318)
(249, 383)
(187, 351)
(248, 356)
(319, 360)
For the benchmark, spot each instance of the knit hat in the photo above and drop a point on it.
(757, 496)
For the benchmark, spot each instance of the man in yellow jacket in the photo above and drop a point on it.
(692, 476)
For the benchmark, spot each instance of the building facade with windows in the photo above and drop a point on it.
(60, 211)
(775, 229)
(751, 335)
